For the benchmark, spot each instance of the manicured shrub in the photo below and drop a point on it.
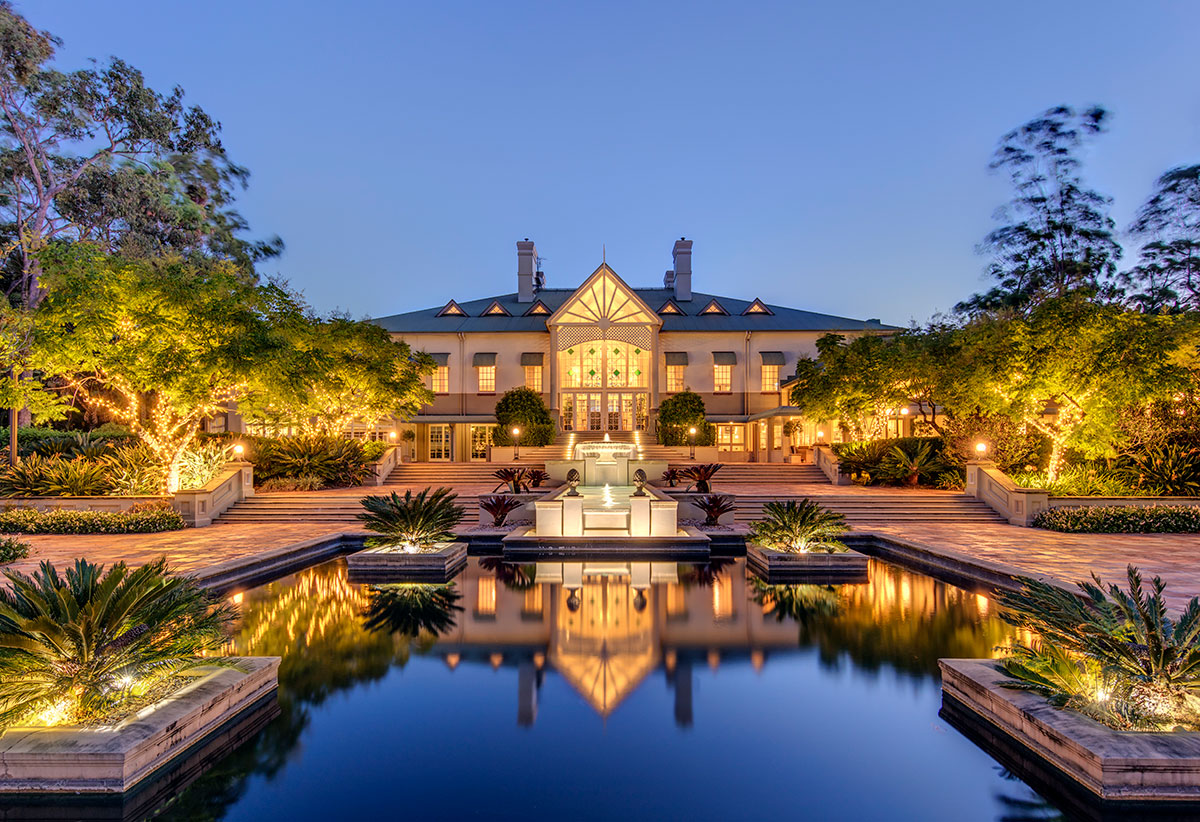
(680, 412)
(88, 643)
(145, 521)
(373, 450)
(523, 408)
(1099, 519)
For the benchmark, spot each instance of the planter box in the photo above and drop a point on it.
(113, 760)
(393, 565)
(782, 566)
(114, 505)
(1112, 765)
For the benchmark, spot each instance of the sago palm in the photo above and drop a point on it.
(412, 608)
(82, 643)
(413, 520)
(799, 527)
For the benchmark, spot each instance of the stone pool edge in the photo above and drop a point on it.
(1112, 765)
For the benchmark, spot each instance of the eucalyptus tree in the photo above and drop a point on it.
(1055, 234)
(1167, 276)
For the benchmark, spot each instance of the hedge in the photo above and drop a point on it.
(677, 435)
(61, 521)
(1103, 519)
(531, 435)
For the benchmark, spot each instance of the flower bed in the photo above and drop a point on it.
(1153, 519)
(59, 521)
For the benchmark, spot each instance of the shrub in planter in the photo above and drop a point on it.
(861, 459)
(701, 475)
(1081, 481)
(534, 477)
(146, 521)
(412, 521)
(514, 478)
(373, 450)
(1117, 656)
(910, 465)
(500, 506)
(88, 643)
(37, 476)
(1101, 519)
(302, 483)
(1170, 470)
(713, 506)
(952, 480)
(799, 527)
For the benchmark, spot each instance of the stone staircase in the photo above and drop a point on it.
(733, 474)
(884, 508)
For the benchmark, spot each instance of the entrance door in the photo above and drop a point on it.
(439, 442)
(481, 438)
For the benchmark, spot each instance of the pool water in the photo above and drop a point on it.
(611, 691)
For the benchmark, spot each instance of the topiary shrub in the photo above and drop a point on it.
(523, 408)
(1104, 519)
(680, 412)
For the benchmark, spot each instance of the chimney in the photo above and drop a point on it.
(681, 255)
(526, 262)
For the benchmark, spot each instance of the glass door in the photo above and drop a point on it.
(481, 438)
(593, 409)
(613, 417)
(439, 442)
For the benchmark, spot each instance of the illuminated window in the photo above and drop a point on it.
(757, 307)
(670, 307)
(532, 606)
(533, 378)
(485, 596)
(487, 379)
(675, 378)
(441, 380)
(731, 437)
(770, 378)
(722, 379)
(452, 309)
(722, 597)
(715, 307)
(495, 310)
(537, 308)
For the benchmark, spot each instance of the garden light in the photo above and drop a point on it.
(692, 441)
(516, 432)
(981, 448)
(239, 450)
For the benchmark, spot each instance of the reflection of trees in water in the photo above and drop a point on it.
(314, 622)
(412, 609)
(515, 576)
(704, 574)
(801, 603)
(902, 620)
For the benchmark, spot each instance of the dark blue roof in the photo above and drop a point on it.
(782, 319)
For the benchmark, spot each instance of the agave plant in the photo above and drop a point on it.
(412, 608)
(414, 520)
(534, 477)
(799, 527)
(672, 476)
(1110, 652)
(909, 467)
(82, 644)
(1167, 469)
(713, 506)
(500, 506)
(514, 478)
(701, 475)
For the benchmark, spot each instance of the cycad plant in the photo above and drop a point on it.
(803, 604)
(412, 521)
(799, 527)
(80, 645)
(412, 608)
(713, 506)
(910, 466)
(1114, 654)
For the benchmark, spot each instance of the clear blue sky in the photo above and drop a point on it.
(829, 156)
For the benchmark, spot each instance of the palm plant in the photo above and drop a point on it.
(909, 466)
(1167, 469)
(713, 506)
(412, 608)
(799, 527)
(1110, 651)
(861, 458)
(701, 475)
(499, 506)
(514, 576)
(534, 477)
(514, 478)
(414, 520)
(78, 645)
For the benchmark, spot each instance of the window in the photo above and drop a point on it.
(722, 379)
(487, 379)
(441, 380)
(770, 378)
(731, 437)
(485, 597)
(481, 438)
(675, 378)
(439, 442)
(533, 378)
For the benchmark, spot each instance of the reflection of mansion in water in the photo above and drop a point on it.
(605, 626)
(603, 356)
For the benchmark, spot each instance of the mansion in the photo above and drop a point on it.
(605, 354)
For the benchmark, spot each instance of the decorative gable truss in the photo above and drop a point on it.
(605, 299)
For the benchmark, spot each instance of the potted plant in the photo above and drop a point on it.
(799, 528)
(412, 522)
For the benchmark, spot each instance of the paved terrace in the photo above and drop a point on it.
(1061, 557)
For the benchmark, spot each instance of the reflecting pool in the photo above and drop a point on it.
(610, 691)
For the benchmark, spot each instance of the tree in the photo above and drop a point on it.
(1055, 236)
(1070, 367)
(523, 408)
(160, 344)
(340, 371)
(1168, 274)
(857, 382)
(680, 412)
(95, 154)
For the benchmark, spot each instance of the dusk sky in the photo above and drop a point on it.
(828, 156)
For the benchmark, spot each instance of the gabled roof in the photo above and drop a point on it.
(538, 307)
(452, 309)
(431, 320)
(604, 297)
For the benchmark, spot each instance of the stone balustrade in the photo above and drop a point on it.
(824, 458)
(200, 506)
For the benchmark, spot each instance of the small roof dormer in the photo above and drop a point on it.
(538, 308)
(451, 309)
(757, 307)
(495, 310)
(671, 307)
(714, 307)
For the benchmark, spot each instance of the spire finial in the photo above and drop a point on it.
(603, 254)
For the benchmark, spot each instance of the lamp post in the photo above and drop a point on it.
(692, 441)
(980, 449)
(238, 451)
(516, 432)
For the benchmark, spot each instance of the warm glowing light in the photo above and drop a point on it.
(1101, 695)
(904, 411)
(692, 431)
(236, 599)
(391, 435)
(516, 432)
(238, 450)
(820, 435)
(981, 447)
